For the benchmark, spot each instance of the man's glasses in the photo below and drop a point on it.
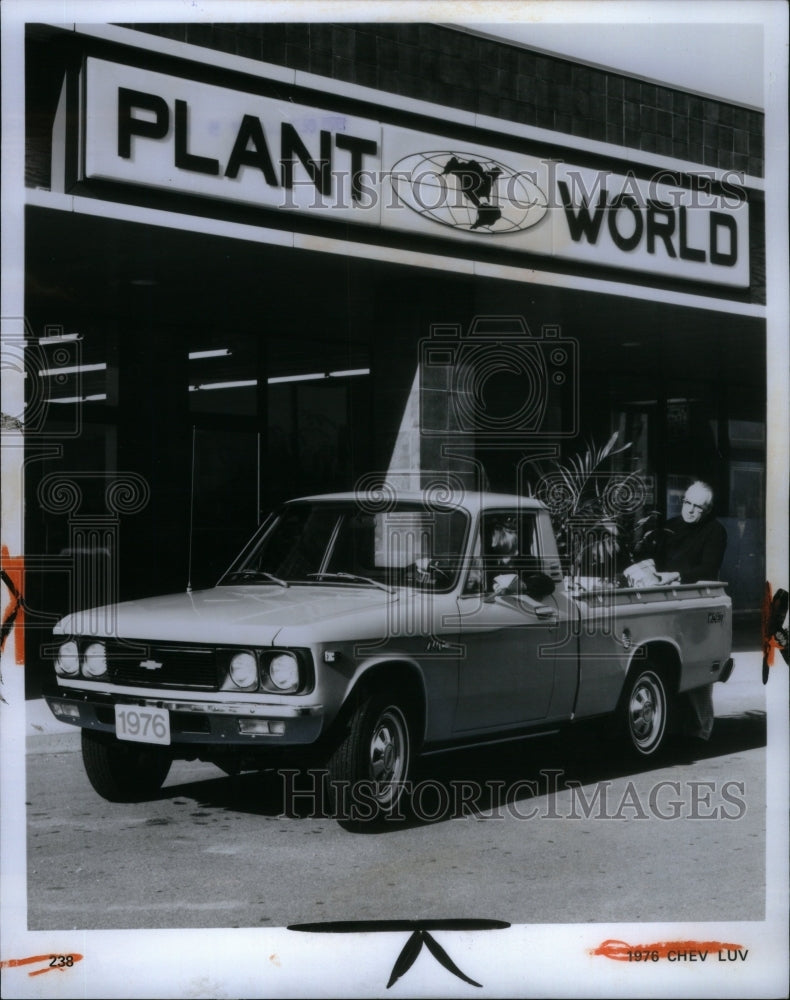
(694, 506)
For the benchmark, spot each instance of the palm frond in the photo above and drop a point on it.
(594, 524)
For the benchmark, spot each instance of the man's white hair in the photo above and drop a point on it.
(701, 484)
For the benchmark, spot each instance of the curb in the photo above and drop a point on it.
(43, 732)
(39, 720)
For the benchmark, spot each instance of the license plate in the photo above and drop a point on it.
(142, 725)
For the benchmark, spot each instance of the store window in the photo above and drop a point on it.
(272, 419)
(309, 437)
(223, 373)
(702, 431)
(224, 499)
(744, 559)
(71, 527)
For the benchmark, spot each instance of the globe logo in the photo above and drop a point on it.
(469, 192)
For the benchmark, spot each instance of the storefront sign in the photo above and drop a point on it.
(574, 213)
(194, 138)
(161, 131)
(651, 225)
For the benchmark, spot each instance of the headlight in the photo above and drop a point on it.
(244, 671)
(94, 663)
(283, 672)
(67, 662)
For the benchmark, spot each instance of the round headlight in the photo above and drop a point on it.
(95, 661)
(284, 672)
(244, 670)
(67, 662)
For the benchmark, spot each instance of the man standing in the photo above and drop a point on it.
(693, 544)
(692, 549)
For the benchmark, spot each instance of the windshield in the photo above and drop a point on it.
(336, 542)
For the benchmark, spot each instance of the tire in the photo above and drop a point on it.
(121, 772)
(645, 711)
(369, 768)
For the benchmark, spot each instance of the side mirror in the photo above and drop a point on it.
(538, 586)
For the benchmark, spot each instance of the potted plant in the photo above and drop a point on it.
(597, 514)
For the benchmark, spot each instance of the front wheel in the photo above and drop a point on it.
(123, 772)
(644, 711)
(369, 768)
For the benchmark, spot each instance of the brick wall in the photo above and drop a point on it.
(477, 74)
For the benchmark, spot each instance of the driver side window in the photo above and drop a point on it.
(505, 550)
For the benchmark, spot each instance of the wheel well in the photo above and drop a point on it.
(662, 655)
(403, 682)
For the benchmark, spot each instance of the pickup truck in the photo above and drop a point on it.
(357, 632)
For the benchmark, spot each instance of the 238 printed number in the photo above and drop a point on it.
(61, 961)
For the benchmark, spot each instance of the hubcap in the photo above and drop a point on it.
(646, 712)
(389, 754)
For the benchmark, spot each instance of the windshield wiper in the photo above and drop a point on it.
(353, 576)
(257, 574)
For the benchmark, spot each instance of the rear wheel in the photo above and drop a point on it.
(644, 711)
(122, 772)
(369, 768)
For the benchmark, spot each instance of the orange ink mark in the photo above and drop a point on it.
(13, 963)
(774, 635)
(768, 653)
(621, 951)
(14, 617)
(274, 960)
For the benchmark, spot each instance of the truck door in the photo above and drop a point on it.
(506, 672)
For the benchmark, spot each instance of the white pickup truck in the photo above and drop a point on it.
(356, 633)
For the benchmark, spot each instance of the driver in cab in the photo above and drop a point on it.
(501, 551)
(507, 567)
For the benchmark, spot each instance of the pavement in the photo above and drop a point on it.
(743, 692)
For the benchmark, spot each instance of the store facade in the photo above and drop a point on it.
(269, 260)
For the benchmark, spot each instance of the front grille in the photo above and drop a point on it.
(163, 665)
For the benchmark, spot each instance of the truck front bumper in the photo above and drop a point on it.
(218, 723)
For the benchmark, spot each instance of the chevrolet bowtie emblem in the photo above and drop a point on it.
(151, 665)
